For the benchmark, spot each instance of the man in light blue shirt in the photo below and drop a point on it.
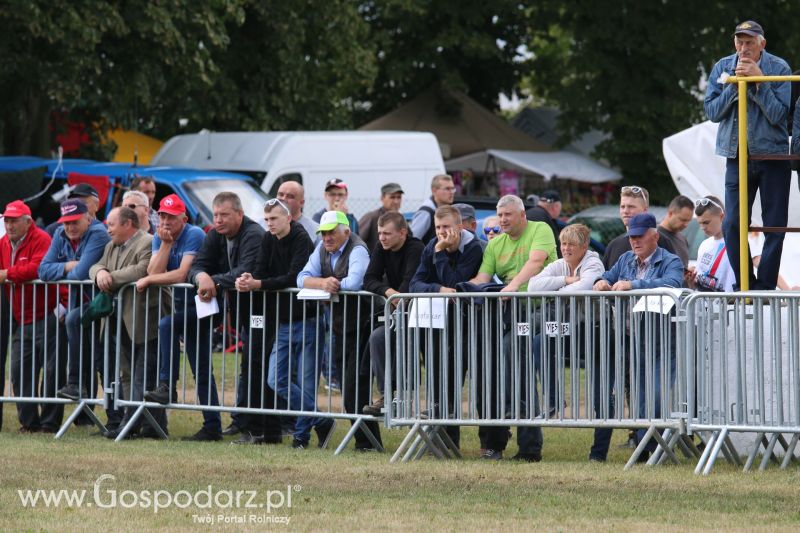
(338, 263)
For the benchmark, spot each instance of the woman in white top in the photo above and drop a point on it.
(713, 272)
(578, 269)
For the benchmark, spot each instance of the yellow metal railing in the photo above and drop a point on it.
(744, 206)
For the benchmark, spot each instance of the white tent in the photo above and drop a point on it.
(563, 165)
(697, 171)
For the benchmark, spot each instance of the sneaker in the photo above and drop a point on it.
(324, 431)
(298, 444)
(71, 392)
(204, 436)
(249, 438)
(375, 408)
(231, 430)
(492, 455)
(161, 395)
(528, 457)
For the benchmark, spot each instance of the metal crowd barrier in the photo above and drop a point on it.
(243, 333)
(468, 359)
(40, 355)
(745, 379)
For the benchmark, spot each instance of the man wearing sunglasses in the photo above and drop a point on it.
(138, 202)
(767, 114)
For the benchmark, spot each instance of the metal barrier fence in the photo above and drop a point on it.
(34, 320)
(481, 359)
(745, 377)
(277, 348)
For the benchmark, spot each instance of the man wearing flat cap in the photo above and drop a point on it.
(391, 198)
(646, 266)
(767, 114)
(547, 210)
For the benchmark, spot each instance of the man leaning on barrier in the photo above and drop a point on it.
(577, 270)
(229, 250)
(34, 341)
(450, 258)
(393, 262)
(338, 263)
(77, 244)
(174, 248)
(646, 266)
(285, 248)
(520, 253)
(767, 134)
(124, 261)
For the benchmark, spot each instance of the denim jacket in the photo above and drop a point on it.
(767, 109)
(796, 129)
(666, 270)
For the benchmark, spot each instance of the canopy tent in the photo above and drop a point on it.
(130, 142)
(564, 165)
(697, 171)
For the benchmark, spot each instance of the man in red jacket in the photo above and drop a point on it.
(21, 250)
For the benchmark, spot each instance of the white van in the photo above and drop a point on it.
(364, 160)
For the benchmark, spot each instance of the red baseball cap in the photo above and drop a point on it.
(335, 182)
(16, 209)
(172, 205)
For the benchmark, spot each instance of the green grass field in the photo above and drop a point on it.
(364, 492)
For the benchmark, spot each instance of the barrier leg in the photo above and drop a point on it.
(377, 445)
(760, 439)
(430, 444)
(790, 451)
(713, 457)
(130, 425)
(350, 435)
(418, 442)
(688, 447)
(640, 448)
(155, 425)
(411, 434)
(450, 445)
(710, 442)
(82, 407)
(666, 448)
(768, 452)
(731, 453)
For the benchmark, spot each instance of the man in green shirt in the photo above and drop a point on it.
(519, 253)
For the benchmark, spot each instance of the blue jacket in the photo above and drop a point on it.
(441, 269)
(89, 251)
(796, 128)
(767, 109)
(665, 271)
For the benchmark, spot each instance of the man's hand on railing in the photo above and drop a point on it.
(246, 282)
(206, 288)
(104, 281)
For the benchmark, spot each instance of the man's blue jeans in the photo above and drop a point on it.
(773, 179)
(294, 354)
(197, 339)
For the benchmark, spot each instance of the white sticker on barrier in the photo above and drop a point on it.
(523, 329)
(654, 304)
(427, 313)
(256, 322)
(551, 329)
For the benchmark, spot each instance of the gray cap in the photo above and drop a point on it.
(391, 188)
(466, 210)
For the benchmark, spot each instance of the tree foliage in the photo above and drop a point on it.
(635, 69)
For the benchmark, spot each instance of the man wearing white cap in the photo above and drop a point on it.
(339, 263)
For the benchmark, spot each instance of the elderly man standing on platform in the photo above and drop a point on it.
(767, 134)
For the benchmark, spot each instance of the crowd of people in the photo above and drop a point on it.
(140, 251)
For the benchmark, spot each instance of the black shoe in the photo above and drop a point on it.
(528, 457)
(298, 444)
(643, 457)
(148, 432)
(324, 431)
(48, 429)
(492, 455)
(595, 459)
(161, 395)
(203, 436)
(231, 430)
(83, 420)
(114, 433)
(71, 392)
(249, 438)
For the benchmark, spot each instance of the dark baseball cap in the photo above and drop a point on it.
(749, 27)
(466, 210)
(639, 224)
(72, 209)
(82, 190)
(550, 196)
(391, 188)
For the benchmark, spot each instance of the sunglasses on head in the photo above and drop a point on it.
(494, 229)
(274, 201)
(704, 202)
(133, 206)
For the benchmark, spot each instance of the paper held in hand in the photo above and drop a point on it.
(316, 294)
(205, 309)
(427, 313)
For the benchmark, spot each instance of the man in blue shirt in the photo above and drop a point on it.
(174, 248)
(78, 243)
(338, 263)
(646, 266)
(767, 114)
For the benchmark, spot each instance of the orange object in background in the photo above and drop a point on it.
(129, 142)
